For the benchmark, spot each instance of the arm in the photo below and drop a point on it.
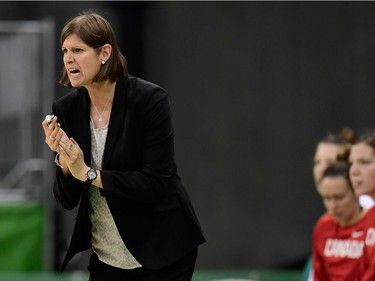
(319, 271)
(67, 190)
(64, 187)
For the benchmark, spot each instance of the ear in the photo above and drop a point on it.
(106, 52)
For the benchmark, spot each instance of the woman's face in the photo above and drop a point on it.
(339, 200)
(362, 169)
(81, 61)
(325, 154)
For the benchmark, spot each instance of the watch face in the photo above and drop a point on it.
(91, 174)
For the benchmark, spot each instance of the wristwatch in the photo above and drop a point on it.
(90, 175)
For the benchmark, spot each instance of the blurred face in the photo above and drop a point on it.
(325, 154)
(81, 61)
(339, 200)
(362, 169)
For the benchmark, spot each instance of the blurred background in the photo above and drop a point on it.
(253, 86)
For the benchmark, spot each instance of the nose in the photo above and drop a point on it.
(353, 169)
(332, 206)
(68, 58)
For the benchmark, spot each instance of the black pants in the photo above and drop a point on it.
(182, 270)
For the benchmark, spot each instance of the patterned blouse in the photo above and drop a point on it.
(106, 240)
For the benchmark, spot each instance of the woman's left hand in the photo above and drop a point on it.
(73, 157)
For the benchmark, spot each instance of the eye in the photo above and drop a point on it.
(77, 50)
(364, 161)
(339, 197)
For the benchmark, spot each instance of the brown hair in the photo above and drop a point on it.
(96, 31)
(338, 169)
(367, 138)
(345, 138)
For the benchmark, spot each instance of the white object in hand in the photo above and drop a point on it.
(49, 119)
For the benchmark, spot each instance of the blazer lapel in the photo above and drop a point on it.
(81, 121)
(116, 122)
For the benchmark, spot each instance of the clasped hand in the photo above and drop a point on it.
(71, 155)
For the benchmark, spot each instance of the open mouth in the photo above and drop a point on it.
(73, 71)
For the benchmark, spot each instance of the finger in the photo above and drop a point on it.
(51, 122)
(64, 143)
(68, 154)
(45, 126)
(68, 145)
(64, 158)
(50, 130)
(60, 134)
(63, 151)
(51, 139)
(54, 141)
(54, 136)
(73, 141)
(47, 121)
(49, 118)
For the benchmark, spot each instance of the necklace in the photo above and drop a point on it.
(101, 115)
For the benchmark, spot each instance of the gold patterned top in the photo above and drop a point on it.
(106, 240)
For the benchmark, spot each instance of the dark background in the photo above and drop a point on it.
(254, 86)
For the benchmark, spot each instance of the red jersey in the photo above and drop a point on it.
(338, 251)
(368, 259)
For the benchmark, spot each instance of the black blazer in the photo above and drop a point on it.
(147, 200)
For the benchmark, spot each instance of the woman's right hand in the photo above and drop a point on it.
(54, 134)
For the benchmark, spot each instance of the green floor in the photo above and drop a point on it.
(252, 275)
(198, 276)
(21, 236)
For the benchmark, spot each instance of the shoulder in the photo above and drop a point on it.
(325, 219)
(324, 222)
(324, 227)
(146, 96)
(144, 90)
(70, 97)
(371, 211)
(74, 103)
(141, 84)
(370, 215)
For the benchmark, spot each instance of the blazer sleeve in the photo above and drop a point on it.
(67, 190)
(150, 150)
